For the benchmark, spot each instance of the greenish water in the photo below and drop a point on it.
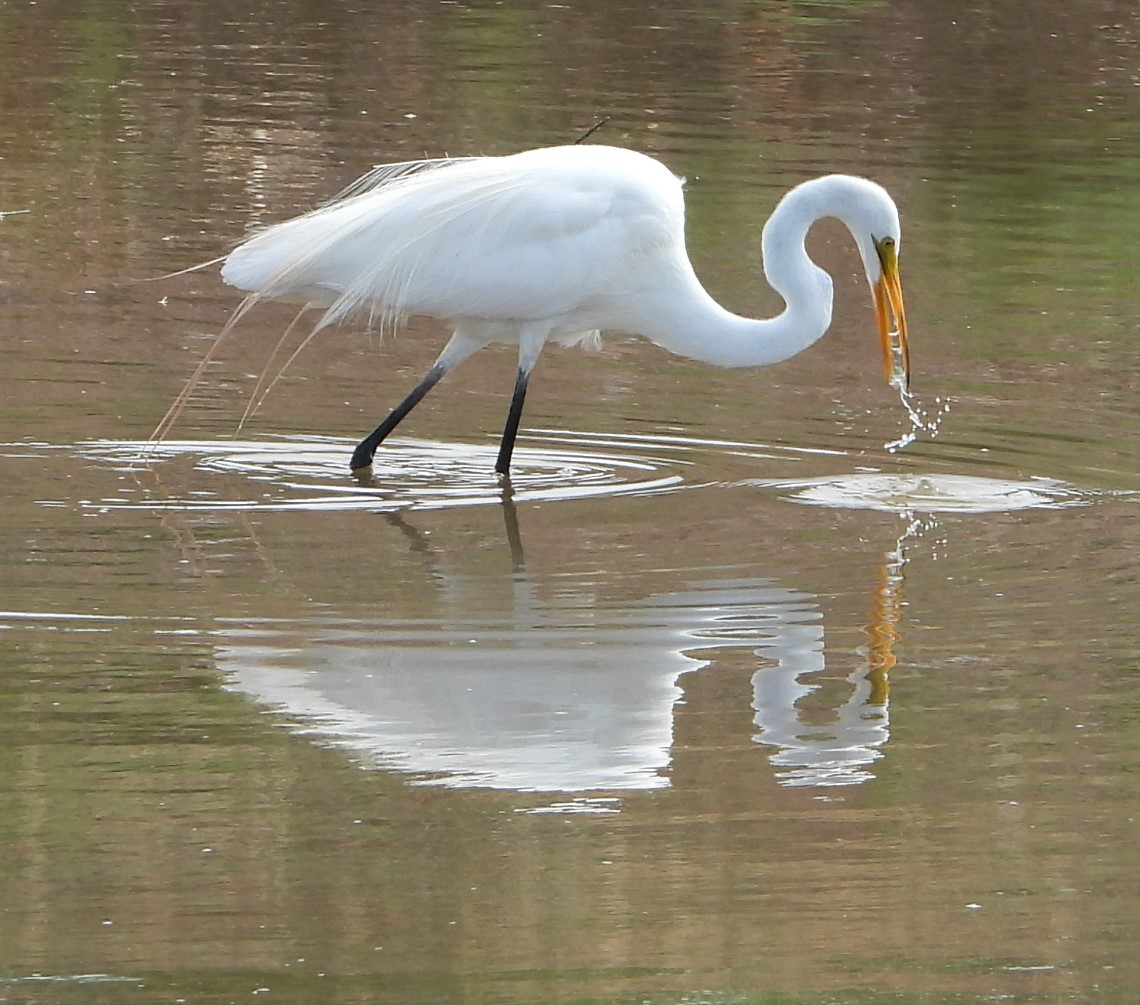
(728, 703)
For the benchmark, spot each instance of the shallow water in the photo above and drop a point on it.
(722, 699)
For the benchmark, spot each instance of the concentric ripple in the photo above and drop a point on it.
(312, 474)
(932, 493)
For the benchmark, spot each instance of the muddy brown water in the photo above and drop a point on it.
(726, 702)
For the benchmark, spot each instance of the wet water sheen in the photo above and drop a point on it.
(753, 686)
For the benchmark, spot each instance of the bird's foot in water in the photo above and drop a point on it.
(361, 464)
(362, 457)
(505, 486)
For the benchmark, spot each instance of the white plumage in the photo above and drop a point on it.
(557, 244)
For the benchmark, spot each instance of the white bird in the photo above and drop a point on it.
(558, 244)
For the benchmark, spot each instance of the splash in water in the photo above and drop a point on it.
(922, 420)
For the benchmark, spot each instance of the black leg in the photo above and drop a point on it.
(510, 431)
(362, 455)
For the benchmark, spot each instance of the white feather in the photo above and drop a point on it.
(556, 244)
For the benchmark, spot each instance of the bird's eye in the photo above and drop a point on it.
(887, 242)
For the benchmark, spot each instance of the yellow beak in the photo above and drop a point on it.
(891, 317)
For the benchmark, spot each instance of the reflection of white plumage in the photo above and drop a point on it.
(557, 244)
(532, 709)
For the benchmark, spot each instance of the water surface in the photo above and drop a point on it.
(724, 700)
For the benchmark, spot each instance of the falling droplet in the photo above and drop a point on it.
(921, 421)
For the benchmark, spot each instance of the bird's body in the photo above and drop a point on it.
(558, 244)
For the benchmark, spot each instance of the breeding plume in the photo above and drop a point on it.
(559, 244)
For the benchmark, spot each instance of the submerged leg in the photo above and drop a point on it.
(457, 350)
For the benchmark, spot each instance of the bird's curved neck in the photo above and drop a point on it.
(691, 323)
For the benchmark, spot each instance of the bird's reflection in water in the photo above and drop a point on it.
(841, 752)
(567, 693)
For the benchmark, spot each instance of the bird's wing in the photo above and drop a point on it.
(534, 236)
(383, 174)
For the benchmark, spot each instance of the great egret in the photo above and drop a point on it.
(557, 244)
